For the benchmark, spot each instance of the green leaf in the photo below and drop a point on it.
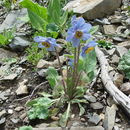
(35, 8)
(94, 29)
(44, 94)
(64, 18)
(36, 21)
(54, 15)
(65, 117)
(26, 128)
(52, 76)
(82, 110)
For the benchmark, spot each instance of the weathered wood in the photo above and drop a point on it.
(118, 96)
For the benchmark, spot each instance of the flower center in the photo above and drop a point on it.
(78, 34)
(89, 49)
(46, 44)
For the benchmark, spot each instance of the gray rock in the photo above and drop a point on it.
(102, 22)
(121, 50)
(72, 128)
(15, 121)
(6, 54)
(4, 94)
(128, 21)
(95, 119)
(109, 117)
(2, 120)
(125, 44)
(12, 19)
(109, 29)
(115, 59)
(19, 44)
(2, 113)
(111, 51)
(42, 72)
(18, 109)
(90, 98)
(10, 77)
(118, 39)
(22, 89)
(92, 9)
(125, 88)
(96, 105)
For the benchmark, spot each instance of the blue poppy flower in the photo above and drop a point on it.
(89, 47)
(79, 31)
(46, 42)
(71, 62)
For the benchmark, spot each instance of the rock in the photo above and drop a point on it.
(2, 120)
(6, 54)
(15, 121)
(115, 59)
(115, 19)
(90, 98)
(18, 109)
(92, 9)
(96, 105)
(22, 89)
(118, 39)
(95, 119)
(23, 116)
(109, 117)
(116, 128)
(2, 113)
(54, 118)
(43, 125)
(45, 64)
(72, 128)
(102, 22)
(19, 44)
(125, 44)
(42, 72)
(121, 50)
(125, 88)
(12, 19)
(109, 29)
(128, 21)
(10, 77)
(111, 51)
(4, 94)
(118, 79)
(110, 101)
(10, 111)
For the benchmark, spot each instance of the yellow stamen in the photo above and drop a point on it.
(89, 49)
(78, 34)
(46, 44)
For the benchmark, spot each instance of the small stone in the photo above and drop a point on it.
(55, 118)
(111, 51)
(10, 77)
(96, 105)
(95, 119)
(90, 98)
(22, 89)
(118, 39)
(83, 119)
(118, 79)
(109, 29)
(109, 117)
(23, 116)
(18, 109)
(125, 44)
(128, 21)
(2, 113)
(42, 72)
(116, 128)
(121, 50)
(2, 120)
(125, 88)
(43, 125)
(19, 44)
(115, 59)
(10, 111)
(15, 121)
(4, 94)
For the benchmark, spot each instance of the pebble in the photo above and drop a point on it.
(90, 98)
(2, 120)
(96, 105)
(2, 113)
(10, 111)
(18, 109)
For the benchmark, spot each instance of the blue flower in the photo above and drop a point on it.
(46, 42)
(89, 47)
(79, 31)
(71, 62)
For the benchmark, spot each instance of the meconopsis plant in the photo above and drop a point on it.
(78, 35)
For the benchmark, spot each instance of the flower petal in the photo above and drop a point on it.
(86, 36)
(40, 45)
(75, 42)
(39, 39)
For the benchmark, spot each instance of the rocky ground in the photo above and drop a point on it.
(18, 79)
